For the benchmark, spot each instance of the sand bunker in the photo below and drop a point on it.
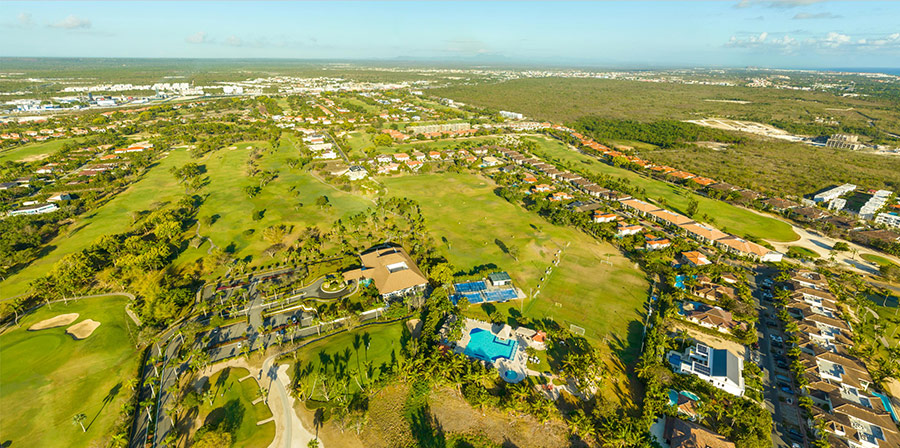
(83, 329)
(58, 321)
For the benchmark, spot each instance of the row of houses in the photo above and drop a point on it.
(702, 232)
(841, 388)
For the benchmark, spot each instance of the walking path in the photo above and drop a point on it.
(289, 430)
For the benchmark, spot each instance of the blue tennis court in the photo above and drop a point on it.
(501, 295)
(463, 288)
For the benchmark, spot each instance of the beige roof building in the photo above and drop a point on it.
(390, 267)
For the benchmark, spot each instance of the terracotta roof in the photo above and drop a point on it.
(390, 268)
(682, 434)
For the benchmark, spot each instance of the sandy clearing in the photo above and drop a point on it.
(714, 341)
(83, 329)
(33, 158)
(58, 321)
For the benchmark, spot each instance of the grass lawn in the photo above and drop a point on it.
(801, 253)
(33, 151)
(233, 407)
(158, 185)
(880, 261)
(234, 227)
(357, 142)
(728, 218)
(384, 343)
(581, 290)
(46, 377)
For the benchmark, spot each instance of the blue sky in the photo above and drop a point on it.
(787, 33)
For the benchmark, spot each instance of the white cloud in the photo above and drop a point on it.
(833, 41)
(234, 41)
(809, 16)
(776, 3)
(25, 19)
(72, 22)
(197, 38)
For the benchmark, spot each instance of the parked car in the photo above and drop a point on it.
(787, 390)
(781, 365)
(794, 434)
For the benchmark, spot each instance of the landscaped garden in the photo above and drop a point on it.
(232, 409)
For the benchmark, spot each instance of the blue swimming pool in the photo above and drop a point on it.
(679, 281)
(886, 401)
(486, 347)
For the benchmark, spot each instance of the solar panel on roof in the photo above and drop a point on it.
(701, 369)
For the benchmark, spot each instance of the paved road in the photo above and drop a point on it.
(782, 412)
(142, 419)
(169, 376)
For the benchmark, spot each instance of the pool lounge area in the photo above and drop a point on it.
(500, 346)
(487, 347)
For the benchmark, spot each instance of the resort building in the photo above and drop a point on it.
(394, 273)
(718, 367)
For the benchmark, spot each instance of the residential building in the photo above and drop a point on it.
(844, 141)
(834, 193)
(356, 172)
(718, 367)
(681, 434)
(604, 217)
(712, 317)
(890, 219)
(38, 209)
(695, 258)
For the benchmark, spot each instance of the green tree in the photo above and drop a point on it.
(78, 419)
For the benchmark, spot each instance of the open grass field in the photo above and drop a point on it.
(384, 344)
(233, 227)
(46, 376)
(358, 141)
(233, 407)
(33, 151)
(463, 209)
(728, 218)
(158, 185)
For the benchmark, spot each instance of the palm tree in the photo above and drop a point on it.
(118, 440)
(78, 419)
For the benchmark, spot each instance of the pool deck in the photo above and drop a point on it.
(518, 363)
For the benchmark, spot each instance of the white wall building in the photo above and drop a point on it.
(718, 367)
(834, 193)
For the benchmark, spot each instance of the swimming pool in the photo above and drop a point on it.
(486, 347)
(886, 401)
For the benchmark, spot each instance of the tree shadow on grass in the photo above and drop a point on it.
(110, 396)
(427, 430)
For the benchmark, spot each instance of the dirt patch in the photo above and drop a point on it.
(456, 416)
(83, 329)
(34, 158)
(58, 321)
(714, 341)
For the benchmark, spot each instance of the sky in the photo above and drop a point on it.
(633, 34)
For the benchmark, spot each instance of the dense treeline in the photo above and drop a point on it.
(663, 133)
(139, 256)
